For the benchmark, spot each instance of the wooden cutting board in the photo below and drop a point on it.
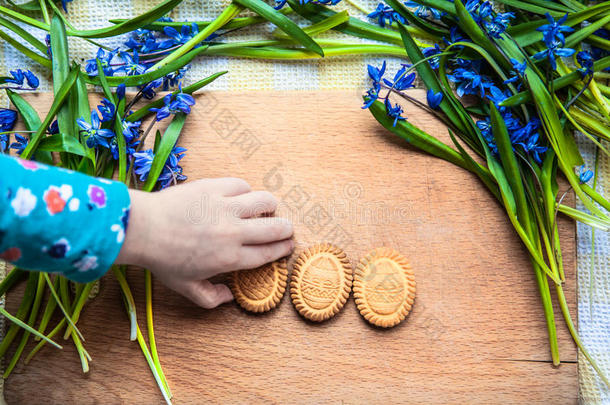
(476, 333)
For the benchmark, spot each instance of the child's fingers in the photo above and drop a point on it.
(205, 294)
(256, 255)
(229, 186)
(253, 204)
(257, 231)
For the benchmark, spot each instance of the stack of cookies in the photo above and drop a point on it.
(322, 280)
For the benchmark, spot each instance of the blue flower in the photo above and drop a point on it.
(394, 112)
(585, 175)
(455, 35)
(132, 64)
(149, 90)
(53, 128)
(552, 53)
(431, 51)
(105, 58)
(532, 148)
(469, 81)
(8, 118)
(496, 26)
(64, 3)
(120, 91)
(553, 31)
(95, 134)
(131, 130)
(385, 15)
(402, 81)
(107, 109)
(20, 145)
(372, 94)
(174, 104)
(172, 171)
(4, 140)
(517, 72)
(142, 163)
(144, 41)
(172, 79)
(424, 11)
(19, 76)
(434, 99)
(585, 60)
(187, 32)
(376, 74)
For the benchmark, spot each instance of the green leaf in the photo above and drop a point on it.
(416, 136)
(129, 25)
(321, 26)
(282, 22)
(168, 141)
(60, 97)
(22, 313)
(28, 328)
(144, 111)
(13, 277)
(26, 111)
(62, 143)
(24, 34)
(61, 70)
(83, 110)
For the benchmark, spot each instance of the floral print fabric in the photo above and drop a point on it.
(57, 220)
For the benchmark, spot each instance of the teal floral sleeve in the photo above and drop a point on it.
(60, 221)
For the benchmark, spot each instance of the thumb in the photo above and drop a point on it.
(205, 294)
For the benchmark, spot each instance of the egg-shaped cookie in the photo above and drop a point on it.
(321, 282)
(260, 289)
(384, 287)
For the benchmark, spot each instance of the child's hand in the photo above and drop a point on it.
(189, 233)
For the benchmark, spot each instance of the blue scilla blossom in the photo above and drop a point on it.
(372, 95)
(553, 31)
(174, 104)
(394, 112)
(145, 41)
(485, 128)
(520, 133)
(105, 58)
(64, 3)
(4, 140)
(142, 163)
(107, 110)
(552, 53)
(434, 99)
(95, 134)
(402, 79)
(120, 91)
(132, 64)
(424, 11)
(498, 24)
(172, 172)
(455, 35)
(431, 51)
(130, 149)
(376, 74)
(8, 118)
(517, 72)
(496, 96)
(585, 175)
(533, 148)
(53, 128)
(19, 77)
(479, 11)
(131, 130)
(186, 33)
(173, 79)
(20, 144)
(385, 15)
(469, 81)
(585, 60)
(149, 90)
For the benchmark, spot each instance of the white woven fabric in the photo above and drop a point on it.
(342, 73)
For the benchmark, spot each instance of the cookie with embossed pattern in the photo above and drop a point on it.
(321, 282)
(260, 289)
(384, 287)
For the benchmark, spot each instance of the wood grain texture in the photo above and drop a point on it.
(476, 333)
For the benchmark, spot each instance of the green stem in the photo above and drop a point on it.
(228, 13)
(151, 329)
(131, 306)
